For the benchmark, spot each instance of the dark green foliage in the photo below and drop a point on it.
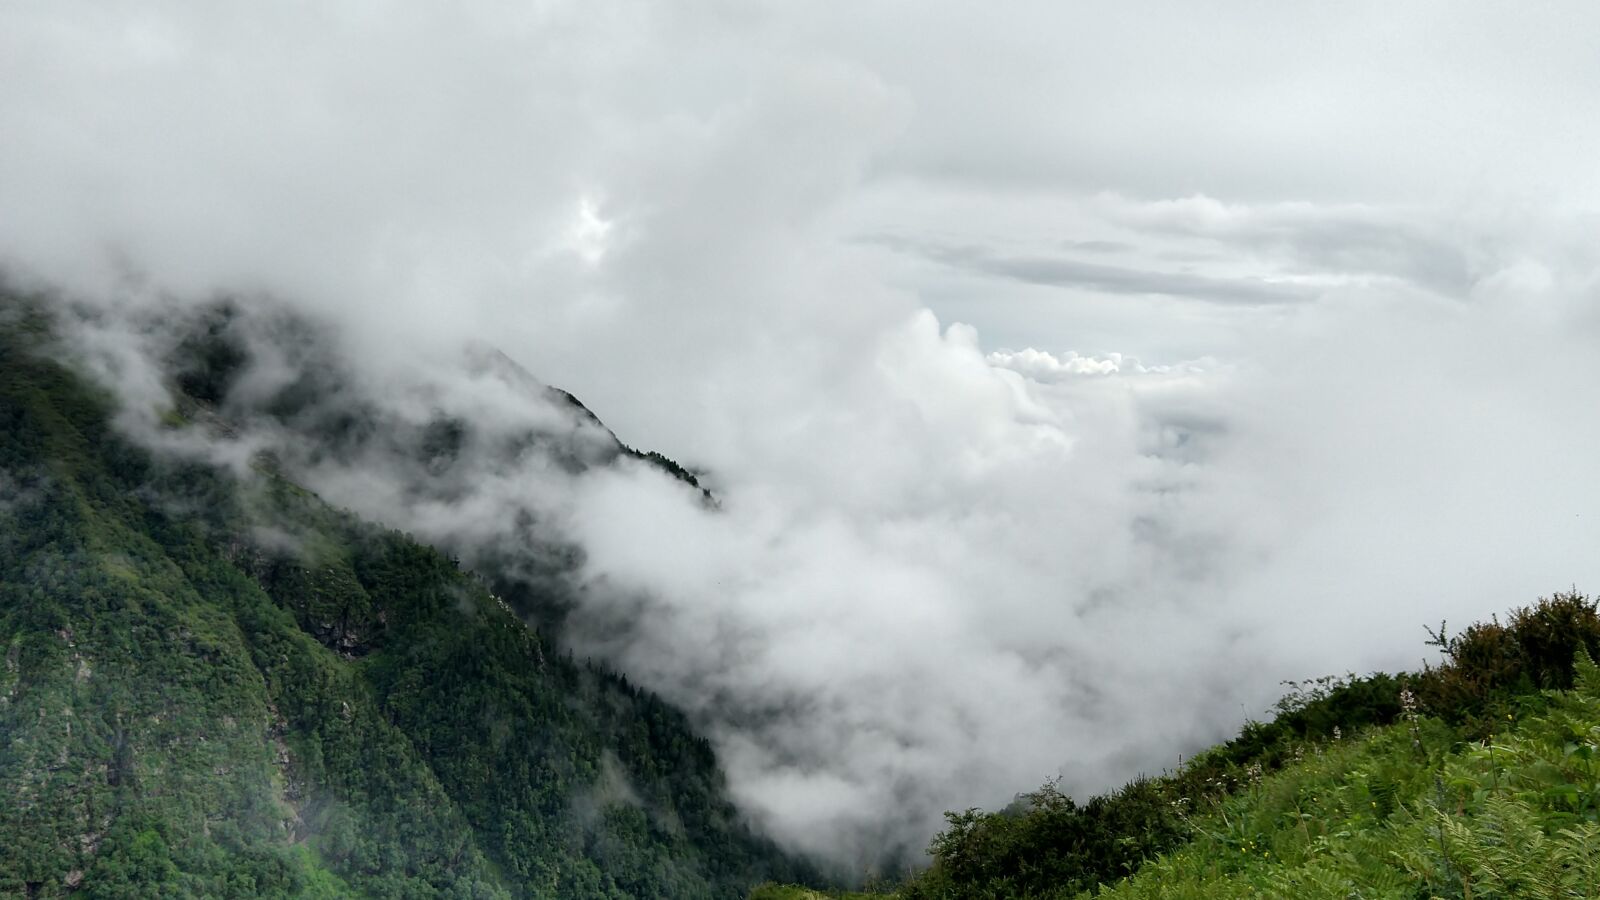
(214, 686)
(671, 467)
(1049, 844)
(1491, 667)
(206, 363)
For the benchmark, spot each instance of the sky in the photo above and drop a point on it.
(1070, 374)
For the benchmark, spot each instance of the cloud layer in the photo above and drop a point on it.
(1280, 336)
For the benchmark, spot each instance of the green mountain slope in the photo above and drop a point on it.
(217, 685)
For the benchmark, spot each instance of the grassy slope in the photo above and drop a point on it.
(1421, 808)
(1186, 824)
(188, 708)
(1409, 811)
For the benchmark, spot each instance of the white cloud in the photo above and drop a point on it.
(1044, 366)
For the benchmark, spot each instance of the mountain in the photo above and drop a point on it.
(214, 683)
(219, 679)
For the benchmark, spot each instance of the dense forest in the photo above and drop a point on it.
(1475, 778)
(215, 685)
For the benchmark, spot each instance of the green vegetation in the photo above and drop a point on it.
(1479, 777)
(1410, 811)
(218, 686)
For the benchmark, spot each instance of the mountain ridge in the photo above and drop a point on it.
(217, 685)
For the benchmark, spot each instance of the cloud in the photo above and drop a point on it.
(1043, 366)
(1349, 239)
(1063, 271)
(846, 647)
(1352, 394)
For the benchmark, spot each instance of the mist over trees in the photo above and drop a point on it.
(216, 684)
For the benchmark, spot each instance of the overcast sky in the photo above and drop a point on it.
(1071, 372)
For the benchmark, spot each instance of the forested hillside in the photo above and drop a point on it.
(215, 684)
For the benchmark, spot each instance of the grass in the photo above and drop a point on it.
(1409, 811)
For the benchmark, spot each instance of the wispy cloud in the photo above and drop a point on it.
(1067, 271)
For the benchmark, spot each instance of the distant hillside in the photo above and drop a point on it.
(214, 685)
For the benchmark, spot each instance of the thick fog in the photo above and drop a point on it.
(1067, 375)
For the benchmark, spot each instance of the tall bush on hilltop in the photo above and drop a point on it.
(1490, 664)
